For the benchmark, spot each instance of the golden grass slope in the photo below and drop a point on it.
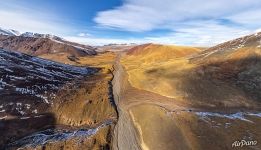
(216, 79)
(103, 60)
(100, 60)
(154, 52)
(148, 64)
(184, 130)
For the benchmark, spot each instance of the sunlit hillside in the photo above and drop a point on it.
(148, 53)
(130, 75)
(210, 78)
(158, 68)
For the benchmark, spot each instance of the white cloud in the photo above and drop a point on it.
(84, 34)
(250, 17)
(24, 19)
(103, 41)
(206, 35)
(201, 33)
(190, 22)
(145, 15)
(195, 33)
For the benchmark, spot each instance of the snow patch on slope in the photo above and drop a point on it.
(9, 32)
(234, 116)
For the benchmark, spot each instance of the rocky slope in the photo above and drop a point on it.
(226, 75)
(236, 62)
(44, 45)
(37, 98)
(192, 99)
(31, 80)
(237, 48)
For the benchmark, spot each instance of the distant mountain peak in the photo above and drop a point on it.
(9, 32)
(38, 35)
(37, 44)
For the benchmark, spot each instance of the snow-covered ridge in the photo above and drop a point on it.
(58, 40)
(37, 35)
(9, 32)
(12, 36)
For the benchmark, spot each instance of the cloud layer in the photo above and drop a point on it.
(189, 21)
(182, 22)
(26, 19)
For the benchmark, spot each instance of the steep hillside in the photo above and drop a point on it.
(46, 46)
(174, 100)
(234, 49)
(158, 68)
(27, 79)
(190, 98)
(43, 45)
(38, 96)
(226, 75)
(236, 63)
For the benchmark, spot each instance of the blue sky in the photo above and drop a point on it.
(96, 22)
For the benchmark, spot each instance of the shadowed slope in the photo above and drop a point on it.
(37, 94)
(46, 46)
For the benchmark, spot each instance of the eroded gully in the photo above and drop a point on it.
(125, 136)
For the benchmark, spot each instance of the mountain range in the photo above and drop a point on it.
(44, 45)
(57, 94)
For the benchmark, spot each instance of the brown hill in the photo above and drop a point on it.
(226, 75)
(46, 47)
(48, 103)
(213, 92)
(156, 52)
(157, 49)
(236, 63)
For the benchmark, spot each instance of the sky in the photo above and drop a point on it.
(98, 22)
